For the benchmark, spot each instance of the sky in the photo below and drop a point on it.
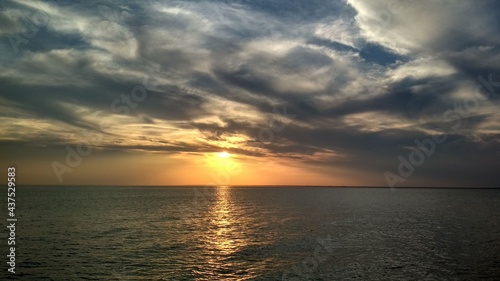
(278, 92)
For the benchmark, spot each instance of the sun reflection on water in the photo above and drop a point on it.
(226, 236)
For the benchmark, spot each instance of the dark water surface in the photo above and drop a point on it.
(233, 233)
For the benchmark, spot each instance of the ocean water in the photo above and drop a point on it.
(235, 233)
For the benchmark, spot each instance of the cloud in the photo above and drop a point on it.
(363, 79)
(426, 26)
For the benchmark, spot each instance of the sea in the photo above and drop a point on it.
(254, 233)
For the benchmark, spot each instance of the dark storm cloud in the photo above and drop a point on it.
(361, 87)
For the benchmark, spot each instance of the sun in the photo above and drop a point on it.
(223, 154)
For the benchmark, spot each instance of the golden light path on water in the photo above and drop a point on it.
(223, 238)
(231, 237)
(227, 235)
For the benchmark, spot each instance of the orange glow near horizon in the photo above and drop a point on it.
(215, 169)
(221, 169)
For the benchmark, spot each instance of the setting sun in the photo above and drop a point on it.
(223, 154)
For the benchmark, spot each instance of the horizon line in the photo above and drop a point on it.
(264, 186)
